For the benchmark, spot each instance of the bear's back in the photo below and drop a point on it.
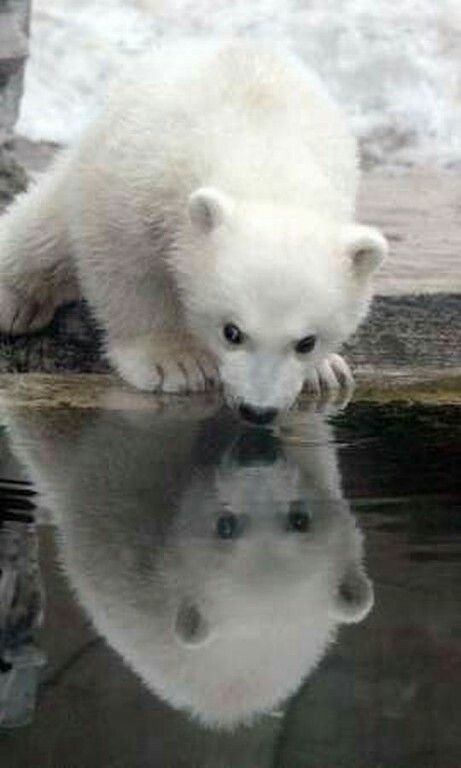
(247, 117)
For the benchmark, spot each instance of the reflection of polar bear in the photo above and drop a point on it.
(217, 565)
(207, 216)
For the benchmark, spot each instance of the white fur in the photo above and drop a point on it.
(217, 186)
(223, 628)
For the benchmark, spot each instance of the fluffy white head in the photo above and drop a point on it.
(273, 291)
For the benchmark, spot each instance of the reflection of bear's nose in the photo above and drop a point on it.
(257, 415)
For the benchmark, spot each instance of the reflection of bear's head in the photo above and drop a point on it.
(265, 566)
(220, 578)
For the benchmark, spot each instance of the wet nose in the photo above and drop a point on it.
(259, 416)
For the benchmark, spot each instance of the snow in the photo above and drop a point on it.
(394, 66)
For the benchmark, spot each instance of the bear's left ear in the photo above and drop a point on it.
(208, 208)
(365, 247)
(355, 596)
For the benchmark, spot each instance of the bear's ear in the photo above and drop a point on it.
(191, 628)
(365, 247)
(355, 596)
(208, 208)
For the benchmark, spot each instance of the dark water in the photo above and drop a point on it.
(182, 593)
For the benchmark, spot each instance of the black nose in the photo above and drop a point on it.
(257, 415)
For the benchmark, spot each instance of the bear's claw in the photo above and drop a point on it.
(175, 371)
(330, 376)
(20, 313)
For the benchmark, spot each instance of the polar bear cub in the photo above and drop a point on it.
(207, 217)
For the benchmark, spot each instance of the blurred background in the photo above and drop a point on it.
(394, 66)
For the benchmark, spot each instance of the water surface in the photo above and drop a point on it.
(195, 594)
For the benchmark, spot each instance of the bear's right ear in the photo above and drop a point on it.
(365, 247)
(355, 596)
(209, 208)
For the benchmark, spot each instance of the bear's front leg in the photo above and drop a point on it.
(329, 376)
(164, 363)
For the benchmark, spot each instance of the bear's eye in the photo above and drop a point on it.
(298, 518)
(305, 345)
(233, 334)
(227, 526)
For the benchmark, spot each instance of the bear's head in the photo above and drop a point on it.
(273, 291)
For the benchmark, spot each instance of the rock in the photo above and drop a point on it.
(13, 44)
(14, 27)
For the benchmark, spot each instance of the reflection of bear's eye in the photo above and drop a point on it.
(227, 526)
(305, 345)
(233, 334)
(298, 519)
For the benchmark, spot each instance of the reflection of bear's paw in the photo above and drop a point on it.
(158, 370)
(329, 376)
(23, 313)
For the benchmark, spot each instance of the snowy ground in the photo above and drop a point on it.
(395, 66)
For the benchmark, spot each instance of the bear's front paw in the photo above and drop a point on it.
(22, 313)
(329, 376)
(157, 371)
